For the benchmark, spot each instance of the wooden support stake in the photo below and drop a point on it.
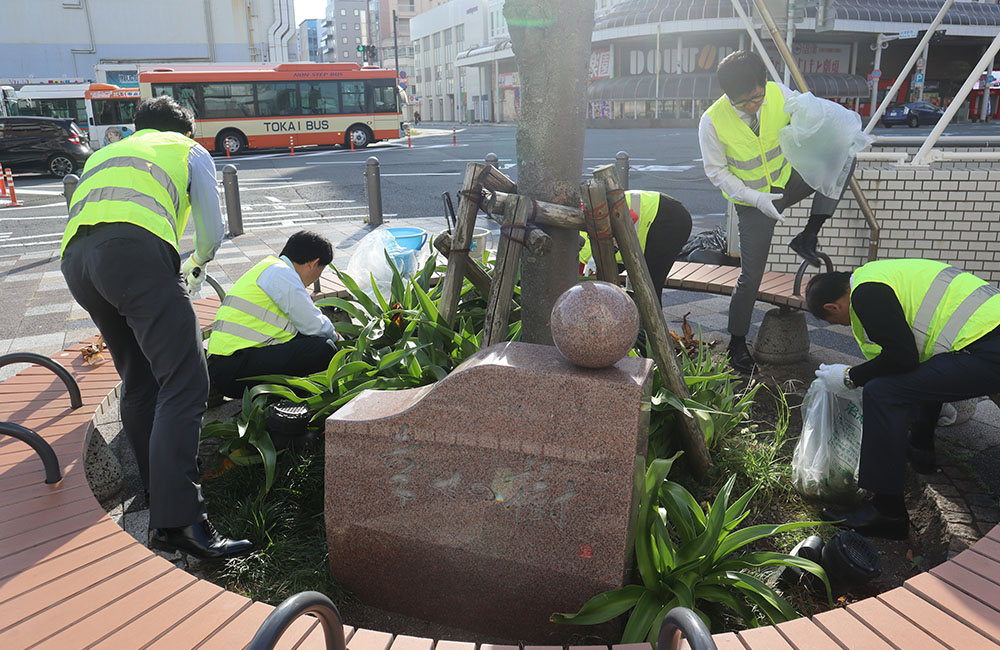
(648, 301)
(494, 180)
(546, 214)
(475, 273)
(505, 273)
(458, 257)
(595, 215)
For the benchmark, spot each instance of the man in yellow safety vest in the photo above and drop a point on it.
(743, 158)
(121, 260)
(931, 334)
(268, 324)
(663, 225)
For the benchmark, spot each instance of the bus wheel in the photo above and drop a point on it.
(360, 135)
(237, 141)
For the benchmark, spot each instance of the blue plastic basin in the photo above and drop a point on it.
(409, 238)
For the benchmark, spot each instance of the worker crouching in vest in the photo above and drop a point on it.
(931, 334)
(663, 225)
(742, 157)
(121, 261)
(268, 324)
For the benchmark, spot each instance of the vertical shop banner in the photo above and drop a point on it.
(600, 63)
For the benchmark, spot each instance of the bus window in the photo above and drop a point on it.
(185, 94)
(277, 98)
(224, 100)
(352, 96)
(320, 97)
(383, 96)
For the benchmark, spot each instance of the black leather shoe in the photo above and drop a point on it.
(200, 539)
(739, 357)
(869, 521)
(805, 245)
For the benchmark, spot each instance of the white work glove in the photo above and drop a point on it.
(832, 375)
(194, 275)
(765, 203)
(590, 268)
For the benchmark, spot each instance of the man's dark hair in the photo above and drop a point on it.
(825, 288)
(163, 113)
(306, 245)
(741, 73)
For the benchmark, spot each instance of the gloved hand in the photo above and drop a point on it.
(764, 202)
(832, 375)
(590, 268)
(194, 275)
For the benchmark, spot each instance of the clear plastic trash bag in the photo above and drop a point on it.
(368, 261)
(821, 142)
(825, 460)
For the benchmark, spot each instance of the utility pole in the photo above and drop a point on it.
(395, 49)
(881, 42)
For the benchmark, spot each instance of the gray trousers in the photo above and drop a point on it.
(128, 280)
(756, 230)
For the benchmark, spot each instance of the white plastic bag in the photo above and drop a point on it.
(821, 142)
(368, 261)
(825, 460)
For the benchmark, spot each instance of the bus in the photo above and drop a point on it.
(110, 111)
(102, 111)
(251, 107)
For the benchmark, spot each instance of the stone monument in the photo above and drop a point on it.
(493, 498)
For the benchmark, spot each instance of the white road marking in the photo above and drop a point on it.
(478, 160)
(27, 190)
(272, 199)
(425, 174)
(630, 158)
(250, 185)
(35, 216)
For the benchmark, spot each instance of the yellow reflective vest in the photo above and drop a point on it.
(142, 180)
(643, 203)
(756, 160)
(248, 318)
(945, 307)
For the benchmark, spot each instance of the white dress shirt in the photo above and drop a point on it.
(713, 153)
(206, 213)
(284, 286)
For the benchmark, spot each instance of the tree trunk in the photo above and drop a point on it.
(551, 43)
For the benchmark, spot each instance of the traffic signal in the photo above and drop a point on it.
(361, 48)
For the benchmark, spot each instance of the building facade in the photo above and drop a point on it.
(653, 61)
(347, 26)
(67, 38)
(308, 40)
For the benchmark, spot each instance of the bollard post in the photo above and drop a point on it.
(234, 211)
(409, 143)
(227, 148)
(491, 159)
(3, 184)
(291, 144)
(14, 203)
(70, 182)
(350, 137)
(373, 188)
(621, 166)
(454, 137)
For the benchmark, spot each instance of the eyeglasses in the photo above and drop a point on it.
(756, 99)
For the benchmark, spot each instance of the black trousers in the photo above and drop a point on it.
(667, 235)
(895, 405)
(303, 355)
(128, 280)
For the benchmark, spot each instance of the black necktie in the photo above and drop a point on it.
(755, 125)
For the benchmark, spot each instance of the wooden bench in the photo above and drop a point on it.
(72, 578)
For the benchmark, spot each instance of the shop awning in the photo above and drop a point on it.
(641, 12)
(705, 86)
(915, 11)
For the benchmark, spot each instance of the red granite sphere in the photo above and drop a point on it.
(594, 324)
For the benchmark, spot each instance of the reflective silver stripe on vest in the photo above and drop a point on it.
(134, 162)
(928, 306)
(745, 165)
(126, 195)
(244, 332)
(773, 153)
(258, 312)
(758, 184)
(961, 316)
(636, 206)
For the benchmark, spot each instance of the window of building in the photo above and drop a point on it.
(426, 41)
(459, 33)
(344, 40)
(357, 39)
(343, 12)
(447, 37)
(347, 55)
(357, 25)
(416, 46)
(343, 25)
(356, 12)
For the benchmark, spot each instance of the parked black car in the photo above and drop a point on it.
(51, 144)
(914, 114)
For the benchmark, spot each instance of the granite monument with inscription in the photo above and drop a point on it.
(493, 498)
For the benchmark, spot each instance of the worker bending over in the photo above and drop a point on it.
(121, 262)
(663, 225)
(268, 323)
(742, 157)
(931, 334)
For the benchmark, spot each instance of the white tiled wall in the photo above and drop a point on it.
(948, 212)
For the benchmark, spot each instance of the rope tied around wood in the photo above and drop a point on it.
(507, 229)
